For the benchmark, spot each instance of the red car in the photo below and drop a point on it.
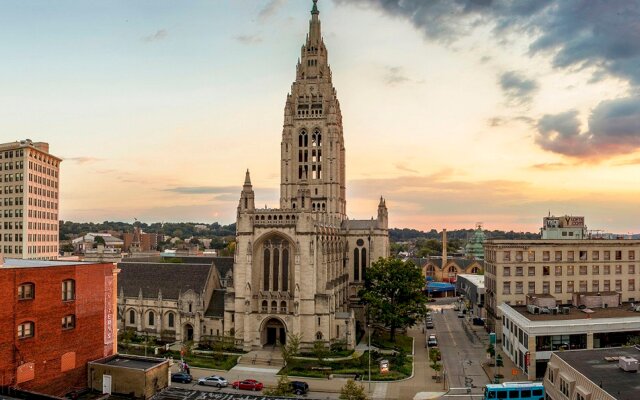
(248, 384)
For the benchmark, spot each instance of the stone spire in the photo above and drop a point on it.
(315, 37)
(247, 196)
(383, 214)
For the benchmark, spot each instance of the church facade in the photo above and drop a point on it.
(298, 268)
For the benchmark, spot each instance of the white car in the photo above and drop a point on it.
(214, 380)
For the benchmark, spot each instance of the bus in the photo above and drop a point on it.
(514, 390)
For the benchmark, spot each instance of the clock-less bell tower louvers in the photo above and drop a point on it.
(313, 152)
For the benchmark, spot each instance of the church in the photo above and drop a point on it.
(298, 268)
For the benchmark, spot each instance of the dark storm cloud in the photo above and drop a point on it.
(603, 36)
(614, 128)
(518, 88)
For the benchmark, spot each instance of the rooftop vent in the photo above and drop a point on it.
(628, 364)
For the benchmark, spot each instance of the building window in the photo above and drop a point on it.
(564, 387)
(519, 271)
(558, 287)
(69, 322)
(632, 255)
(583, 270)
(545, 271)
(607, 285)
(618, 285)
(558, 255)
(274, 306)
(570, 287)
(632, 269)
(632, 284)
(595, 286)
(318, 335)
(68, 290)
(518, 287)
(546, 256)
(132, 317)
(570, 255)
(607, 255)
(152, 318)
(583, 255)
(26, 291)
(518, 256)
(607, 269)
(532, 255)
(558, 270)
(618, 269)
(583, 286)
(265, 306)
(506, 256)
(545, 287)
(506, 287)
(26, 330)
(171, 320)
(570, 270)
(532, 287)
(595, 255)
(618, 255)
(506, 271)
(595, 270)
(532, 271)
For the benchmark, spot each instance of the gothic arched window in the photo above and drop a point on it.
(132, 317)
(267, 268)
(356, 264)
(364, 263)
(171, 320)
(152, 318)
(303, 139)
(285, 270)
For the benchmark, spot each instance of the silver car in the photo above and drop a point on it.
(214, 380)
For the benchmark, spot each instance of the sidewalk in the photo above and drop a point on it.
(506, 370)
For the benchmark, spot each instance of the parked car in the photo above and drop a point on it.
(432, 341)
(460, 314)
(478, 321)
(299, 387)
(429, 324)
(247, 384)
(213, 380)
(181, 377)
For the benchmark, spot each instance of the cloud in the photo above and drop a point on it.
(82, 159)
(395, 76)
(614, 128)
(248, 39)
(551, 166)
(517, 88)
(160, 34)
(602, 37)
(204, 189)
(403, 167)
(270, 9)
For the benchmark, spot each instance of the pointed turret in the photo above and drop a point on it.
(315, 37)
(383, 214)
(247, 196)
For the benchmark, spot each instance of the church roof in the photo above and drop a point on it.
(216, 305)
(359, 224)
(171, 279)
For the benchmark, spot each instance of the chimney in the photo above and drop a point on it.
(444, 248)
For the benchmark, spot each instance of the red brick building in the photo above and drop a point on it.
(55, 317)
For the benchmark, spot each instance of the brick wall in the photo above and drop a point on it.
(50, 342)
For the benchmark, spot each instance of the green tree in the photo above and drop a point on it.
(393, 294)
(320, 349)
(283, 388)
(291, 348)
(499, 364)
(353, 391)
(491, 350)
(98, 240)
(67, 248)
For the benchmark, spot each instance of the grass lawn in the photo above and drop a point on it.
(201, 361)
(381, 340)
(315, 369)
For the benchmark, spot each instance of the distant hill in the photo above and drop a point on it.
(405, 234)
(183, 230)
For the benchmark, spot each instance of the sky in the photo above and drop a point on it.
(457, 112)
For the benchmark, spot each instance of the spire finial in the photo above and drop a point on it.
(247, 179)
(314, 9)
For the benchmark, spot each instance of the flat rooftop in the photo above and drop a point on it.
(593, 365)
(20, 263)
(611, 312)
(126, 361)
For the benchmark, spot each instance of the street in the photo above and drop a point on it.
(462, 351)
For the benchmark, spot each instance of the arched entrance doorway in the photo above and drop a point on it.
(188, 333)
(274, 333)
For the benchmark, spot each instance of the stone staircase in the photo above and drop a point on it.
(265, 357)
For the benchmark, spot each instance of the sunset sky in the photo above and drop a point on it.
(456, 111)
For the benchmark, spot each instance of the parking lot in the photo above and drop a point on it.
(175, 393)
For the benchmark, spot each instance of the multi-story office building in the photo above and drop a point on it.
(558, 267)
(29, 187)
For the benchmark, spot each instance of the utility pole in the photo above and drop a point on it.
(369, 331)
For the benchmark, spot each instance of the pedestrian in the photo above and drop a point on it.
(187, 369)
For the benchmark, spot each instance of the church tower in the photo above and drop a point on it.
(312, 148)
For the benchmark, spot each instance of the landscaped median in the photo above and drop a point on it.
(400, 364)
(199, 360)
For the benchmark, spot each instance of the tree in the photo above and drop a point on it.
(98, 240)
(283, 388)
(320, 349)
(491, 350)
(67, 248)
(291, 348)
(393, 294)
(499, 364)
(353, 391)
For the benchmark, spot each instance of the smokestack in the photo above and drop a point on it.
(444, 248)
